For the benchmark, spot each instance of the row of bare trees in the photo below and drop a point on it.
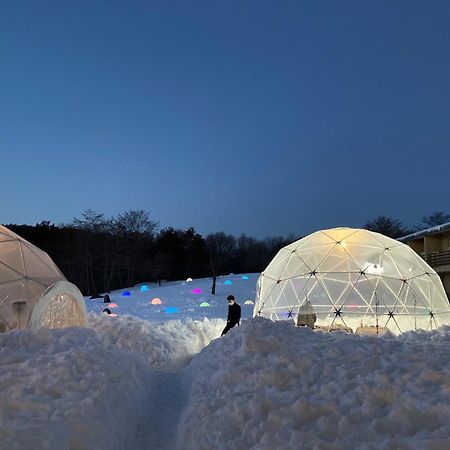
(394, 228)
(100, 254)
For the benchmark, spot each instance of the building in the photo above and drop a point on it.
(433, 245)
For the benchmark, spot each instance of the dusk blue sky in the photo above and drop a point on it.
(257, 117)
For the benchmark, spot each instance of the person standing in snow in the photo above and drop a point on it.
(306, 315)
(234, 314)
(106, 299)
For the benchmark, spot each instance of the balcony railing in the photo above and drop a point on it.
(437, 259)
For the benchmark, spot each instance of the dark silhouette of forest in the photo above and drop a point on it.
(99, 254)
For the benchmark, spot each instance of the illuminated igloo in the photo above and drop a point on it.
(354, 279)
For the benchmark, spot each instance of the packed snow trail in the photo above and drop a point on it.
(167, 400)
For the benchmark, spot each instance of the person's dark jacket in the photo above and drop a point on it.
(234, 314)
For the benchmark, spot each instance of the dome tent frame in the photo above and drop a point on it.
(25, 273)
(354, 279)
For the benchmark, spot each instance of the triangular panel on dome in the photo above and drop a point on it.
(339, 234)
(304, 242)
(362, 255)
(6, 235)
(39, 267)
(8, 274)
(391, 266)
(406, 267)
(288, 297)
(338, 260)
(279, 263)
(278, 297)
(409, 257)
(384, 241)
(294, 267)
(11, 256)
(300, 285)
(364, 237)
(337, 286)
(319, 297)
(313, 256)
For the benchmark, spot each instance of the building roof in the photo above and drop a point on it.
(428, 231)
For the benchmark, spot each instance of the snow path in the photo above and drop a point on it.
(167, 400)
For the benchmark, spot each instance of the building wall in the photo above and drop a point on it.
(439, 242)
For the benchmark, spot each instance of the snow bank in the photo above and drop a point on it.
(163, 345)
(67, 389)
(268, 385)
(89, 388)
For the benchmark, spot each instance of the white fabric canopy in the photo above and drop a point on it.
(60, 306)
(353, 278)
(25, 273)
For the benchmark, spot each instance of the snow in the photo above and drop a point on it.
(427, 231)
(147, 379)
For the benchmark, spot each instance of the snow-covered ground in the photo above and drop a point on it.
(158, 378)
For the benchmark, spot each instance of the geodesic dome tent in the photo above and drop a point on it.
(25, 273)
(354, 279)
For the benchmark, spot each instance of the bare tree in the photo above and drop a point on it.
(388, 226)
(434, 219)
(136, 231)
(220, 247)
(89, 249)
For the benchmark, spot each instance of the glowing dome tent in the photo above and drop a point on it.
(25, 273)
(60, 306)
(353, 278)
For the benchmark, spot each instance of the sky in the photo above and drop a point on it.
(257, 117)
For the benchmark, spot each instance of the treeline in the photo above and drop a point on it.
(99, 254)
(395, 228)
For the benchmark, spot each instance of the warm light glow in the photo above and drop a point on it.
(189, 280)
(156, 301)
(112, 305)
(374, 269)
(248, 302)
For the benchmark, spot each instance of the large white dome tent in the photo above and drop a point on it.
(26, 272)
(353, 279)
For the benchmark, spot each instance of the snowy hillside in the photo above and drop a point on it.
(155, 377)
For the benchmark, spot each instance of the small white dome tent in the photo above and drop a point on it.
(25, 273)
(354, 279)
(60, 306)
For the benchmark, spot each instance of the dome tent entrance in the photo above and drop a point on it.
(61, 305)
(353, 278)
(25, 273)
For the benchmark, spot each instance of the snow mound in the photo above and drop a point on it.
(64, 389)
(81, 388)
(163, 345)
(268, 385)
